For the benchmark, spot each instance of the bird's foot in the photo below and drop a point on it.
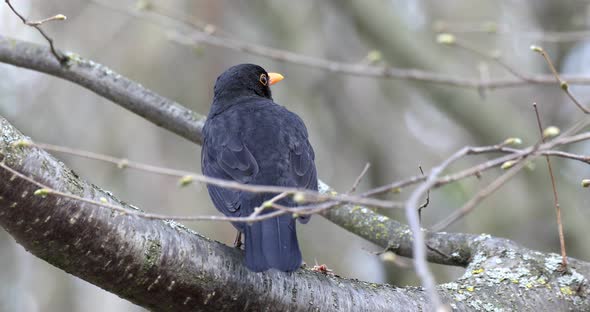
(238, 241)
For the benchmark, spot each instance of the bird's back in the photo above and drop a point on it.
(259, 142)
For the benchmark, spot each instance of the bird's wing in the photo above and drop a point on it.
(302, 160)
(302, 164)
(230, 161)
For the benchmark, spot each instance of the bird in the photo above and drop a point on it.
(250, 139)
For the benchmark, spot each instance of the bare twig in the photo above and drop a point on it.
(359, 178)
(562, 83)
(58, 17)
(325, 206)
(493, 28)
(419, 251)
(449, 179)
(186, 177)
(495, 58)
(513, 154)
(425, 204)
(582, 158)
(411, 209)
(516, 166)
(389, 256)
(268, 204)
(254, 217)
(197, 34)
(555, 198)
(184, 17)
(479, 197)
(36, 24)
(313, 209)
(46, 191)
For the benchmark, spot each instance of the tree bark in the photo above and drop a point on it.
(163, 266)
(172, 116)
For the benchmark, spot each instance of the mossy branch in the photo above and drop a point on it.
(163, 266)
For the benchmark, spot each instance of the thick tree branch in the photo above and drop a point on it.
(163, 266)
(106, 83)
(157, 264)
(37, 25)
(170, 115)
(128, 94)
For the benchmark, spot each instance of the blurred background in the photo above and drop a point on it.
(395, 125)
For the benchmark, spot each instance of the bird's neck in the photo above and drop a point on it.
(222, 103)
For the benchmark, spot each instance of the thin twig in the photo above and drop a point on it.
(308, 209)
(516, 166)
(254, 217)
(185, 18)
(582, 158)
(45, 190)
(126, 163)
(493, 28)
(513, 154)
(186, 177)
(267, 204)
(427, 199)
(555, 198)
(562, 83)
(36, 24)
(197, 35)
(479, 197)
(325, 206)
(496, 59)
(312, 209)
(359, 178)
(58, 17)
(451, 178)
(411, 209)
(386, 255)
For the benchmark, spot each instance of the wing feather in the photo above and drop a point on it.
(231, 161)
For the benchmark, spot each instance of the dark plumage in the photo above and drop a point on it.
(250, 139)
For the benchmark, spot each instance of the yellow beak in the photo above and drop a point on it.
(274, 78)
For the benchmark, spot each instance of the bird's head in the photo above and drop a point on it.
(245, 80)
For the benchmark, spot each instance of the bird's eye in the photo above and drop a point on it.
(263, 80)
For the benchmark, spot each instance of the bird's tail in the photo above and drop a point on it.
(272, 243)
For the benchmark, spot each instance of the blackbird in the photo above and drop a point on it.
(250, 139)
